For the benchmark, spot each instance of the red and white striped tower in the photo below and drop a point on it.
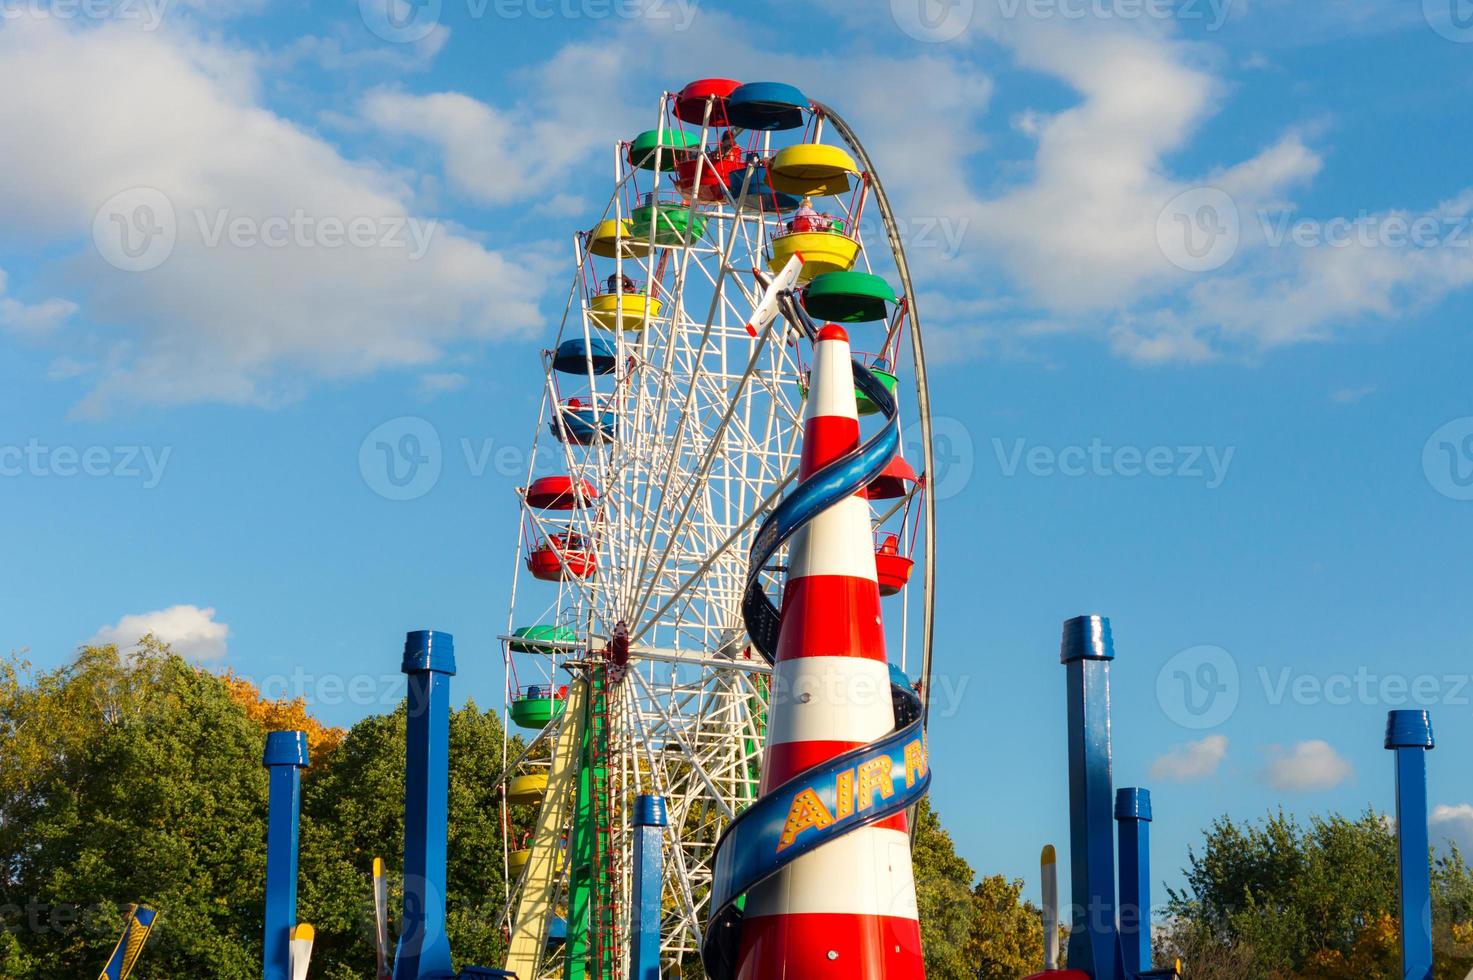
(848, 909)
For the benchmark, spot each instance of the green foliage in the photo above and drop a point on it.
(13, 960)
(944, 895)
(138, 778)
(1007, 932)
(981, 932)
(1278, 899)
(129, 778)
(1206, 954)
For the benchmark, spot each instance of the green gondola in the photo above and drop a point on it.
(848, 297)
(535, 711)
(544, 638)
(678, 145)
(677, 224)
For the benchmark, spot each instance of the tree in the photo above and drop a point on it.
(969, 932)
(129, 777)
(284, 715)
(1206, 954)
(1007, 932)
(137, 777)
(13, 960)
(944, 896)
(1309, 901)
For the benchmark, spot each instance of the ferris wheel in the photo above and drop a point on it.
(670, 425)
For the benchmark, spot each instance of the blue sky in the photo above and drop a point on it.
(1230, 239)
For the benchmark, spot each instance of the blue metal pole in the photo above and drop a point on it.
(424, 949)
(285, 758)
(1133, 814)
(649, 873)
(1409, 735)
(1086, 652)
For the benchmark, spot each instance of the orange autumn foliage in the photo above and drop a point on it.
(1375, 954)
(284, 715)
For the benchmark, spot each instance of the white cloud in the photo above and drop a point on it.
(1075, 223)
(193, 632)
(1280, 293)
(65, 368)
(1311, 765)
(1081, 233)
(440, 383)
(1453, 823)
(32, 318)
(1349, 396)
(1158, 338)
(487, 153)
(506, 154)
(346, 51)
(1194, 760)
(227, 322)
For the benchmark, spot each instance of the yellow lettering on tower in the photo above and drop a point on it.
(874, 775)
(844, 795)
(915, 762)
(806, 811)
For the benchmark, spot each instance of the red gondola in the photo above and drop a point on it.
(690, 102)
(891, 567)
(716, 171)
(893, 482)
(560, 493)
(562, 557)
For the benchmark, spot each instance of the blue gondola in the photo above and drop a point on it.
(576, 423)
(573, 356)
(766, 106)
(760, 195)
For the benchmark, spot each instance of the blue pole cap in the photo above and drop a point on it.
(1133, 804)
(1409, 730)
(286, 749)
(649, 811)
(428, 650)
(1087, 638)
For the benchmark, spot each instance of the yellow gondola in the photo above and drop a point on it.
(604, 309)
(813, 169)
(819, 251)
(527, 789)
(605, 238)
(517, 860)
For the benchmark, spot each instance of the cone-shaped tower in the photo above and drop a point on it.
(847, 909)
